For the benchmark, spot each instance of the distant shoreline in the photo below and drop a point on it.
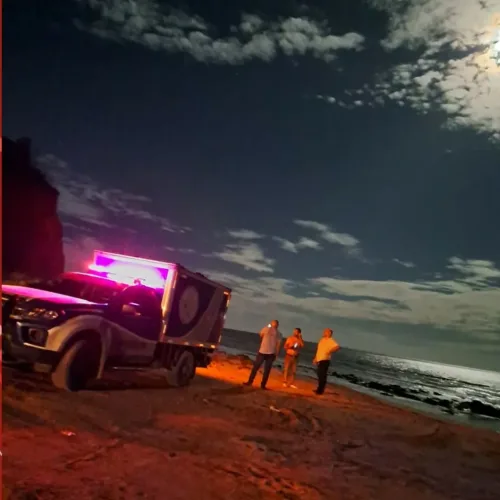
(419, 360)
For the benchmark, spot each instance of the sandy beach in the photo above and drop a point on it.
(134, 437)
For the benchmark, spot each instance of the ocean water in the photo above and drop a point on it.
(452, 392)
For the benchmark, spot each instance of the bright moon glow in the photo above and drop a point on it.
(457, 67)
(496, 48)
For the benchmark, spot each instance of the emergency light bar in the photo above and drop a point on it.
(130, 270)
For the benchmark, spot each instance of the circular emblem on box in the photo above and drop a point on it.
(188, 305)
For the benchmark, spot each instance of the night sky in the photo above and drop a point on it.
(336, 166)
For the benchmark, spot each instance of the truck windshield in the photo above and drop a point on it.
(91, 290)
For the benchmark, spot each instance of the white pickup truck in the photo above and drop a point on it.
(125, 312)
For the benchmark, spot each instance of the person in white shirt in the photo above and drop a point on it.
(326, 347)
(269, 348)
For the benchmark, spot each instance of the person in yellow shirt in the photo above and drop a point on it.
(326, 347)
(293, 345)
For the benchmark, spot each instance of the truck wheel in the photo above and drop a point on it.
(77, 367)
(183, 371)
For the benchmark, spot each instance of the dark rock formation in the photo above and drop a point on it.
(443, 403)
(449, 406)
(32, 243)
(479, 408)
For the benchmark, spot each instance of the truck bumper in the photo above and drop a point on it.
(14, 350)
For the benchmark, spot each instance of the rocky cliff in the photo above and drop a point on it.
(32, 243)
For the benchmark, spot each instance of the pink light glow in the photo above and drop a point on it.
(131, 270)
(114, 257)
(35, 293)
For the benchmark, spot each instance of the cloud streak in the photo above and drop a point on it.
(84, 200)
(248, 255)
(302, 244)
(467, 303)
(245, 234)
(326, 233)
(403, 263)
(147, 23)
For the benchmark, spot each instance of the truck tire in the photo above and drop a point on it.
(183, 372)
(77, 367)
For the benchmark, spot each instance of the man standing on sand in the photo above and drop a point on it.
(269, 348)
(293, 345)
(326, 347)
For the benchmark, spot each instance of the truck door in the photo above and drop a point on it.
(137, 312)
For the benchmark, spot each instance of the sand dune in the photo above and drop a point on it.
(133, 437)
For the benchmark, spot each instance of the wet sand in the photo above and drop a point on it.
(132, 436)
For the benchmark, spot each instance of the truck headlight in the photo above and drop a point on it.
(41, 313)
(36, 336)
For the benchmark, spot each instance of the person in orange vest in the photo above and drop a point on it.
(326, 347)
(293, 346)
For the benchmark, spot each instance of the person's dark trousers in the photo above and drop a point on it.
(322, 376)
(268, 360)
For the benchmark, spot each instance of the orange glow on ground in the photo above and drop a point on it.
(133, 437)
